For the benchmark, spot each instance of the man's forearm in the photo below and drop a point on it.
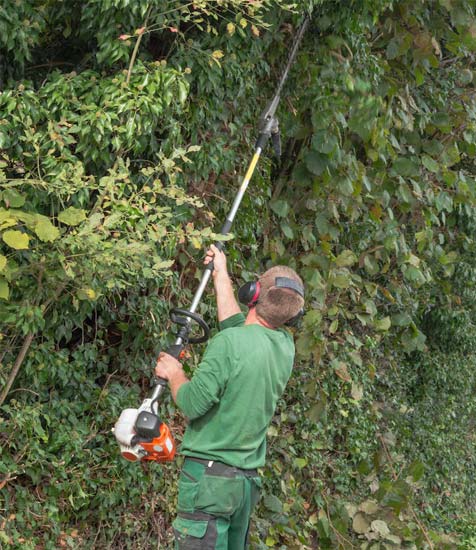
(175, 382)
(226, 301)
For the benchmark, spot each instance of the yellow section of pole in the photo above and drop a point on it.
(251, 169)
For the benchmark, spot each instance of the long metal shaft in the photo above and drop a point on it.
(268, 127)
(225, 229)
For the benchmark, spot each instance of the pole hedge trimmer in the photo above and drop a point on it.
(140, 432)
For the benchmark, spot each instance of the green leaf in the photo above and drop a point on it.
(280, 207)
(414, 275)
(360, 524)
(345, 186)
(442, 121)
(324, 142)
(316, 162)
(406, 167)
(72, 216)
(416, 470)
(394, 494)
(287, 230)
(401, 320)
(346, 259)
(315, 412)
(380, 527)
(357, 391)
(273, 503)
(369, 507)
(16, 239)
(383, 324)
(86, 294)
(46, 231)
(163, 264)
(3, 262)
(4, 289)
(430, 164)
(323, 528)
(272, 431)
(13, 198)
(340, 278)
(301, 462)
(364, 467)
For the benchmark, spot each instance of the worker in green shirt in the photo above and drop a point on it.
(230, 402)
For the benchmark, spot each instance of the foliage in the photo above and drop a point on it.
(123, 126)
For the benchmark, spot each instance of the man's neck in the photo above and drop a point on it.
(254, 319)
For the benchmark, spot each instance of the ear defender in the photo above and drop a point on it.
(248, 294)
(294, 321)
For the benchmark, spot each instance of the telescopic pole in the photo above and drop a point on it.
(268, 129)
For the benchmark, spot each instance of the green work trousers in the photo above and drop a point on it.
(215, 502)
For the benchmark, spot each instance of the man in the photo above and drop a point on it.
(230, 402)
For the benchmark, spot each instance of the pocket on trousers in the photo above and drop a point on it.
(256, 486)
(190, 534)
(220, 496)
(187, 492)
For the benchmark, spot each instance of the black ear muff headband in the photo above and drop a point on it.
(248, 294)
(286, 282)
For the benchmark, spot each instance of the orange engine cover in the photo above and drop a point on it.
(161, 448)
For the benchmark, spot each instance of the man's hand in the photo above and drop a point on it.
(167, 366)
(219, 261)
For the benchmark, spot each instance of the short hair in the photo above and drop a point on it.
(276, 305)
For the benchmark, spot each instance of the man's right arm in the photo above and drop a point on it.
(227, 305)
(197, 396)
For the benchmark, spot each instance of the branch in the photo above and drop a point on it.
(136, 48)
(25, 347)
(16, 367)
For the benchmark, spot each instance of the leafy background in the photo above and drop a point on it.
(124, 128)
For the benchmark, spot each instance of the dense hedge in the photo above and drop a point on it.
(124, 127)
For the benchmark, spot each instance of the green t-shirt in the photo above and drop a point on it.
(233, 393)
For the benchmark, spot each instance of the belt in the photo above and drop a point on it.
(215, 468)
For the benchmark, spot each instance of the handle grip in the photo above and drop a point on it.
(220, 245)
(157, 381)
(175, 350)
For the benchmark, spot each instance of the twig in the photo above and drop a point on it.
(136, 48)
(26, 389)
(336, 532)
(16, 367)
(410, 507)
(108, 379)
(49, 65)
(6, 480)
